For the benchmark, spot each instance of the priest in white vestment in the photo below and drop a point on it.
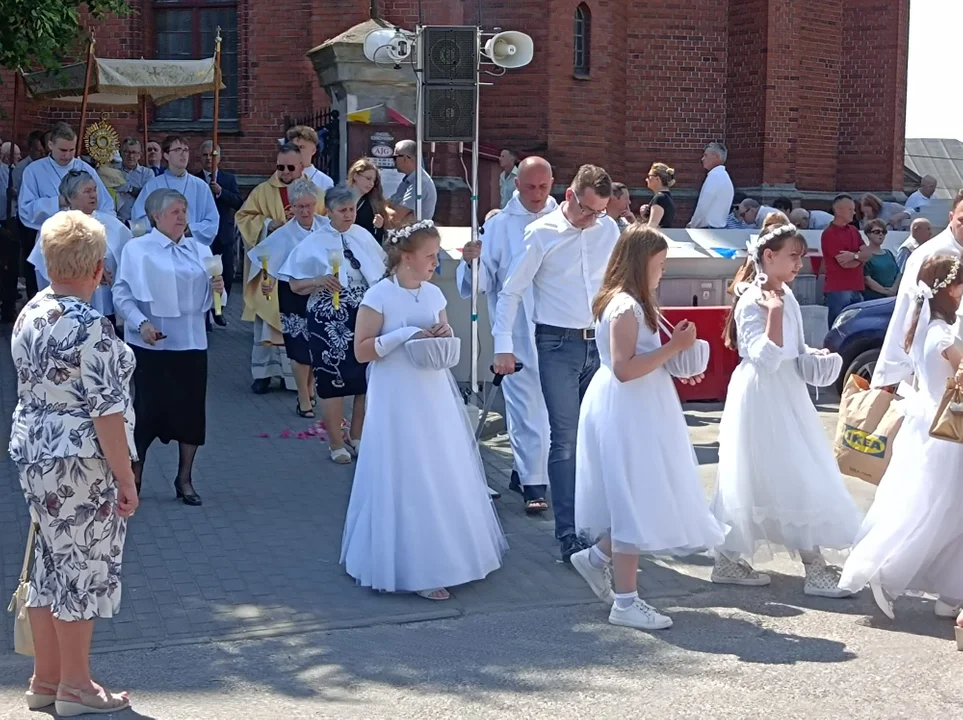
(894, 365)
(203, 220)
(501, 242)
(40, 189)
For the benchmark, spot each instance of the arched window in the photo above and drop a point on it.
(583, 34)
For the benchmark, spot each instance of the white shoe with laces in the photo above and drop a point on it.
(639, 615)
(822, 580)
(729, 572)
(599, 579)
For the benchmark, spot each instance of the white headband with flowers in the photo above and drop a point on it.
(925, 292)
(402, 233)
(755, 246)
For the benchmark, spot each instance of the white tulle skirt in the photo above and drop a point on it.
(912, 537)
(636, 472)
(778, 486)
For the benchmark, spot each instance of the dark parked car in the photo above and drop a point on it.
(858, 335)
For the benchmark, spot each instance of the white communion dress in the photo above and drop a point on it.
(778, 485)
(636, 471)
(912, 537)
(420, 516)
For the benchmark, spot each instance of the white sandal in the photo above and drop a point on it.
(341, 456)
(37, 700)
(89, 703)
(354, 446)
(430, 594)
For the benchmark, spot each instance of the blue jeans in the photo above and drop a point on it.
(838, 301)
(566, 364)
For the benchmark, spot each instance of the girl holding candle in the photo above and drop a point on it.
(333, 297)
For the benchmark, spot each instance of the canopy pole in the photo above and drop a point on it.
(13, 145)
(83, 105)
(215, 150)
(143, 115)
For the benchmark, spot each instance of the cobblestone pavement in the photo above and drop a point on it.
(260, 557)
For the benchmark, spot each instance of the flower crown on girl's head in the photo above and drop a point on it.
(925, 292)
(755, 246)
(402, 233)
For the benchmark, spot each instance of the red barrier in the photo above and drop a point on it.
(709, 322)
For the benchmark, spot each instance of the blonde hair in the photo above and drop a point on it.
(376, 195)
(72, 243)
(664, 173)
(302, 132)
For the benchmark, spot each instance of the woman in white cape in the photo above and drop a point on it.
(333, 268)
(78, 191)
(302, 194)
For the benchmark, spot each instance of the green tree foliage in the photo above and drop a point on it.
(40, 34)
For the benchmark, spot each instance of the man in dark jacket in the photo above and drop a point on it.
(227, 197)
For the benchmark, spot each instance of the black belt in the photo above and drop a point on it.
(585, 334)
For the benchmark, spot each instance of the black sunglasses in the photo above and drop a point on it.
(289, 168)
(349, 256)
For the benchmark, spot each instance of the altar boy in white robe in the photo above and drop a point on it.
(503, 239)
(894, 365)
(40, 190)
(203, 220)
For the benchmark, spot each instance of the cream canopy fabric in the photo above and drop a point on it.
(121, 83)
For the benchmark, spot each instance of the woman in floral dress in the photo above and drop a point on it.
(72, 441)
(310, 271)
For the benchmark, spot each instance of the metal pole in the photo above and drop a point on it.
(143, 117)
(474, 217)
(419, 130)
(215, 152)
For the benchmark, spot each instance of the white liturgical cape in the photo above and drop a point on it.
(527, 416)
(202, 217)
(40, 192)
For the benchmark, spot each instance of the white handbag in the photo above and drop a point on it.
(690, 362)
(434, 353)
(22, 636)
(819, 370)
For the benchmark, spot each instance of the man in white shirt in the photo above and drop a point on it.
(922, 197)
(503, 240)
(402, 209)
(136, 175)
(894, 365)
(202, 218)
(306, 138)
(921, 231)
(715, 198)
(810, 219)
(508, 162)
(562, 262)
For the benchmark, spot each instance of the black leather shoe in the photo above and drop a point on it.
(571, 544)
(187, 494)
(219, 320)
(261, 386)
(515, 484)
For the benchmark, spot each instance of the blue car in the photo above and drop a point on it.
(858, 335)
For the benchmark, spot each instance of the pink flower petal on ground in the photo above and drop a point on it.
(302, 435)
(286, 433)
(264, 435)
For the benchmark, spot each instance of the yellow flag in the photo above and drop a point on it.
(362, 116)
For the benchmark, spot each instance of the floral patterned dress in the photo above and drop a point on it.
(71, 368)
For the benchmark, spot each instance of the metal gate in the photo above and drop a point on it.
(328, 126)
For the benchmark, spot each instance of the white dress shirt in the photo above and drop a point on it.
(40, 191)
(186, 331)
(322, 182)
(819, 220)
(715, 200)
(917, 201)
(564, 265)
(202, 217)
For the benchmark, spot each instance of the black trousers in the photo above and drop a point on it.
(9, 270)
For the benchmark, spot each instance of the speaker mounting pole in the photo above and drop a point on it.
(419, 110)
(474, 214)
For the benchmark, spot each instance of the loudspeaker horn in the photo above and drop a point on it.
(510, 49)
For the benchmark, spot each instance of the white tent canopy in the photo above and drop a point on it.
(121, 83)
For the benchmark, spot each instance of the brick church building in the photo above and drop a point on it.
(809, 95)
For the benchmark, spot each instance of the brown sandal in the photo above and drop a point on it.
(89, 702)
(36, 700)
(536, 506)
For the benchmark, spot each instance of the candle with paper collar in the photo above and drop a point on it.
(335, 258)
(215, 268)
(264, 272)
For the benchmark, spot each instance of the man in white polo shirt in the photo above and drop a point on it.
(715, 198)
(563, 260)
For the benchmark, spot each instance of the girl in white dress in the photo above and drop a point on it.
(912, 538)
(420, 518)
(637, 482)
(777, 484)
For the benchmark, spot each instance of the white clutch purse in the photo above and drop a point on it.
(687, 363)
(819, 370)
(434, 353)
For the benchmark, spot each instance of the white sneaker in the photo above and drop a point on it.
(727, 572)
(822, 580)
(639, 615)
(599, 579)
(882, 602)
(945, 610)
